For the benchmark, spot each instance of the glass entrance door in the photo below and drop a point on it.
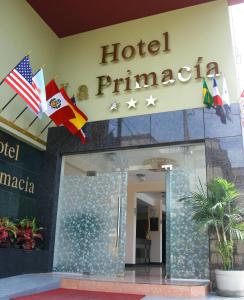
(187, 248)
(91, 221)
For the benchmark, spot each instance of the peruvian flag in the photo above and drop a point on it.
(216, 94)
(58, 108)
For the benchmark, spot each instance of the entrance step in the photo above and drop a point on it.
(170, 288)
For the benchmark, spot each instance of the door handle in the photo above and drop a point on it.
(118, 224)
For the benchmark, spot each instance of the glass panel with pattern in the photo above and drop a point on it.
(91, 220)
(187, 250)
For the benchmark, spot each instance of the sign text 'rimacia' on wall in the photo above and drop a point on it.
(115, 53)
(8, 179)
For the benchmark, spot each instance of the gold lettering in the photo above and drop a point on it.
(11, 152)
(116, 84)
(141, 45)
(21, 187)
(103, 82)
(2, 147)
(212, 69)
(184, 70)
(17, 152)
(166, 42)
(5, 179)
(128, 52)
(145, 78)
(31, 188)
(168, 78)
(6, 149)
(153, 47)
(127, 81)
(198, 69)
(26, 184)
(114, 53)
(14, 182)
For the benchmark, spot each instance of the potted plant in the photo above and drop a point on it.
(28, 233)
(215, 210)
(8, 232)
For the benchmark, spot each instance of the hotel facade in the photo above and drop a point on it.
(112, 204)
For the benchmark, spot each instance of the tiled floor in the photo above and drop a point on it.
(138, 274)
(27, 284)
(34, 283)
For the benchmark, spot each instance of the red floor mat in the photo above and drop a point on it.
(64, 294)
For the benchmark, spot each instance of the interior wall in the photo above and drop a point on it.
(133, 189)
(156, 237)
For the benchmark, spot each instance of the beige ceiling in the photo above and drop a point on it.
(133, 161)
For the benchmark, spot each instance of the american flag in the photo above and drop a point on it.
(20, 79)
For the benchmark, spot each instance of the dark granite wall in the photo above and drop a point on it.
(225, 158)
(224, 146)
(40, 168)
(140, 131)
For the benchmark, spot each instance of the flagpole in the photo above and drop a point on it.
(20, 114)
(34, 120)
(45, 128)
(42, 67)
(55, 77)
(11, 99)
(2, 81)
(67, 137)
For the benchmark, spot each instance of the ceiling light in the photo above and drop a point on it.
(141, 177)
(159, 164)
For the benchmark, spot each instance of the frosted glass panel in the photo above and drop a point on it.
(90, 232)
(187, 247)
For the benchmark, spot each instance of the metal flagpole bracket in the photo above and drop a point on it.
(31, 123)
(11, 99)
(22, 131)
(45, 128)
(20, 114)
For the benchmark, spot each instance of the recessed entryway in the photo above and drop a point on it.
(105, 196)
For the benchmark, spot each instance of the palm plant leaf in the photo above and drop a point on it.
(213, 209)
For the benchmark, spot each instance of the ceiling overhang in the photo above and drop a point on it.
(75, 16)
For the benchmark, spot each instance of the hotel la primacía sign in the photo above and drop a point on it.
(116, 52)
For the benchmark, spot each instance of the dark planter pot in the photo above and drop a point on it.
(19, 261)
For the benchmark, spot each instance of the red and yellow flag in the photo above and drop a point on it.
(75, 124)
